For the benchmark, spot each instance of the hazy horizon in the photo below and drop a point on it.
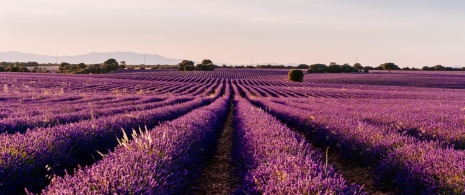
(414, 33)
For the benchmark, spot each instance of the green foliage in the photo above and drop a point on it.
(185, 63)
(12, 69)
(389, 66)
(110, 65)
(81, 68)
(205, 67)
(23, 69)
(2, 69)
(317, 68)
(358, 66)
(334, 68)
(303, 66)
(206, 62)
(189, 68)
(296, 75)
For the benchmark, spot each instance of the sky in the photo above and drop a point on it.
(411, 33)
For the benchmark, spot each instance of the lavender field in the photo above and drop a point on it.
(232, 131)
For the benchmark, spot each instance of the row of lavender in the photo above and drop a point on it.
(160, 161)
(167, 158)
(57, 84)
(49, 119)
(25, 156)
(274, 160)
(441, 120)
(410, 164)
(27, 159)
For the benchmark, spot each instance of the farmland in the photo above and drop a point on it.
(163, 131)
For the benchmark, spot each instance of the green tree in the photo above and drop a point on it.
(189, 68)
(296, 75)
(110, 65)
(303, 66)
(358, 66)
(206, 62)
(334, 68)
(317, 68)
(389, 66)
(81, 66)
(185, 63)
(439, 67)
(23, 69)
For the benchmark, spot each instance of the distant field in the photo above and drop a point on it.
(232, 131)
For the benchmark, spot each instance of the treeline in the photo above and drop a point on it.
(19, 64)
(357, 67)
(188, 65)
(336, 68)
(442, 68)
(18, 68)
(107, 66)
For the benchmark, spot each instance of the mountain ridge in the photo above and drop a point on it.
(131, 58)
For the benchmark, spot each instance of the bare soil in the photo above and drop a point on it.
(217, 176)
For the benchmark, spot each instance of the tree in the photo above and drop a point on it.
(333, 68)
(206, 65)
(23, 69)
(389, 66)
(317, 68)
(347, 68)
(12, 69)
(189, 68)
(206, 61)
(110, 65)
(185, 63)
(81, 65)
(295, 75)
(358, 66)
(366, 69)
(439, 67)
(303, 66)
(426, 68)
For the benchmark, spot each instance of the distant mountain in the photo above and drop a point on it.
(90, 58)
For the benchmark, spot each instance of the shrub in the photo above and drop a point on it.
(205, 67)
(185, 63)
(23, 69)
(317, 68)
(296, 75)
(189, 68)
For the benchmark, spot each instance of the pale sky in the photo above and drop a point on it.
(406, 32)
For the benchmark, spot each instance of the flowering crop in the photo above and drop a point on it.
(278, 161)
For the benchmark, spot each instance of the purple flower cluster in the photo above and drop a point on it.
(25, 156)
(86, 112)
(161, 161)
(374, 144)
(278, 161)
(441, 120)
